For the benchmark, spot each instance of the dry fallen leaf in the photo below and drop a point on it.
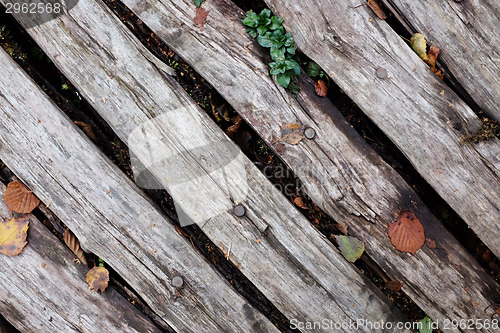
(393, 285)
(299, 202)
(373, 4)
(430, 243)
(233, 129)
(13, 235)
(431, 60)
(97, 279)
(321, 88)
(87, 128)
(201, 17)
(350, 247)
(20, 199)
(74, 245)
(292, 133)
(407, 233)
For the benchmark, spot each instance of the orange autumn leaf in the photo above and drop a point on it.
(407, 233)
(97, 279)
(292, 133)
(13, 236)
(321, 88)
(298, 201)
(20, 199)
(201, 17)
(431, 60)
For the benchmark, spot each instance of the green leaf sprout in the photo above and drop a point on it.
(270, 33)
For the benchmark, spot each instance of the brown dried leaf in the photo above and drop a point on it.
(299, 202)
(373, 4)
(431, 60)
(13, 236)
(233, 129)
(201, 17)
(292, 133)
(321, 88)
(20, 199)
(407, 233)
(87, 128)
(97, 279)
(74, 245)
(394, 285)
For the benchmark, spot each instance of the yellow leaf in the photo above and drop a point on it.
(13, 236)
(419, 45)
(97, 279)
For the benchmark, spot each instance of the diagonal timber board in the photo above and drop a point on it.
(274, 245)
(467, 34)
(110, 215)
(416, 110)
(338, 170)
(44, 290)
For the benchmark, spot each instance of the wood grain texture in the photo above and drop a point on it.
(467, 34)
(110, 216)
(338, 169)
(43, 290)
(414, 108)
(291, 263)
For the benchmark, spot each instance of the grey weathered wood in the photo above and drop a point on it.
(54, 297)
(469, 38)
(338, 170)
(110, 215)
(274, 245)
(414, 108)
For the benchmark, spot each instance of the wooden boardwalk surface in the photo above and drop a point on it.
(42, 290)
(273, 245)
(339, 171)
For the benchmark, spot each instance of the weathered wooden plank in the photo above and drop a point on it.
(338, 170)
(43, 290)
(274, 245)
(467, 34)
(110, 215)
(415, 109)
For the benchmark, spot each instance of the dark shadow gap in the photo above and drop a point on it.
(33, 60)
(254, 147)
(6, 327)
(376, 139)
(405, 29)
(56, 227)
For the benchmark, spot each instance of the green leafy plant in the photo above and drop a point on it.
(313, 70)
(270, 33)
(198, 3)
(101, 262)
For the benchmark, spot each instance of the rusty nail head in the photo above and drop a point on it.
(239, 210)
(177, 282)
(310, 133)
(381, 73)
